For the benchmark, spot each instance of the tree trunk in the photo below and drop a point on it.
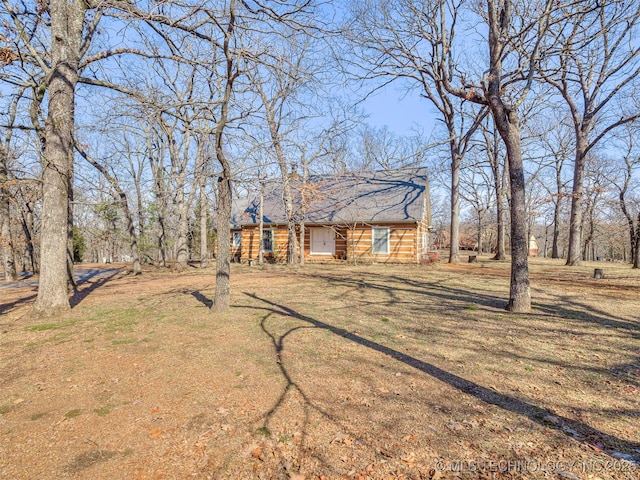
(223, 264)
(161, 205)
(480, 233)
(575, 223)
(133, 237)
(501, 252)
(499, 180)
(66, 34)
(261, 228)
(636, 256)
(507, 122)
(454, 249)
(6, 243)
(182, 250)
(124, 204)
(27, 230)
(520, 291)
(204, 248)
(301, 242)
(292, 238)
(222, 297)
(557, 210)
(72, 285)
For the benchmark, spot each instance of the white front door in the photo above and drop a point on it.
(323, 241)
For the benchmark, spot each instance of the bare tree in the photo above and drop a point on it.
(625, 182)
(399, 41)
(203, 204)
(67, 23)
(124, 204)
(593, 67)
(557, 144)
(476, 189)
(515, 35)
(494, 152)
(6, 240)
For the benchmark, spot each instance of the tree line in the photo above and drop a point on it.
(128, 124)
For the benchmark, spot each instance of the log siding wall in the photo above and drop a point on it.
(353, 243)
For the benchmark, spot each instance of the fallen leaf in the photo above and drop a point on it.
(257, 452)
(339, 438)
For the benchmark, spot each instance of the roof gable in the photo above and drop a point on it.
(382, 196)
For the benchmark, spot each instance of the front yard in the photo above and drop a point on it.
(327, 372)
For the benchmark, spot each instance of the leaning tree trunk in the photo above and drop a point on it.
(27, 230)
(67, 18)
(124, 203)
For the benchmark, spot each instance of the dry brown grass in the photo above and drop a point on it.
(327, 372)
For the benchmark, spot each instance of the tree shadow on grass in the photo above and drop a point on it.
(206, 301)
(291, 389)
(7, 307)
(443, 293)
(85, 290)
(574, 429)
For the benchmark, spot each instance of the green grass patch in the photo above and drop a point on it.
(73, 413)
(120, 325)
(51, 326)
(264, 431)
(37, 416)
(102, 411)
(124, 341)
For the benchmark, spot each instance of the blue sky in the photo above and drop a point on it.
(400, 111)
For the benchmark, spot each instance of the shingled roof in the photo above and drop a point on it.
(382, 196)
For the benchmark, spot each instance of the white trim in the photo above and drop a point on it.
(237, 244)
(373, 240)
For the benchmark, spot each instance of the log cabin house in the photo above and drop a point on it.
(370, 217)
